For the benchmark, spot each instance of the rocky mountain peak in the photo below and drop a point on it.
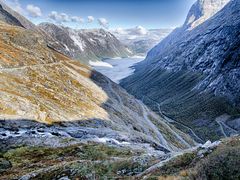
(203, 10)
(85, 44)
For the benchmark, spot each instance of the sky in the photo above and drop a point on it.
(110, 14)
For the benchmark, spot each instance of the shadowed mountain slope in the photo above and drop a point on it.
(192, 76)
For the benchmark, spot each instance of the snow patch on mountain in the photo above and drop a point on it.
(77, 39)
(85, 44)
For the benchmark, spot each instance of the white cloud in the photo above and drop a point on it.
(34, 11)
(90, 19)
(120, 31)
(54, 16)
(64, 17)
(140, 30)
(81, 20)
(15, 5)
(103, 22)
(59, 17)
(74, 19)
(77, 19)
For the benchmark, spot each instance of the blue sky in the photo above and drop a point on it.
(151, 14)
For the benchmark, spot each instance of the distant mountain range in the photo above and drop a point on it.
(99, 44)
(193, 75)
(86, 45)
(139, 39)
(83, 45)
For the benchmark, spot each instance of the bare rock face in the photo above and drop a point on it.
(193, 74)
(203, 10)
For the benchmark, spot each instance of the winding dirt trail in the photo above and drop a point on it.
(221, 121)
(114, 93)
(170, 120)
(153, 126)
(30, 66)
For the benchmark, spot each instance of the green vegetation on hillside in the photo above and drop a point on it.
(76, 161)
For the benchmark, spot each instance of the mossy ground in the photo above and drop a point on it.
(76, 161)
(99, 161)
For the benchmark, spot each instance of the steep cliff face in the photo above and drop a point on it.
(193, 74)
(203, 10)
(86, 45)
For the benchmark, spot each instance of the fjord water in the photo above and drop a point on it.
(117, 68)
